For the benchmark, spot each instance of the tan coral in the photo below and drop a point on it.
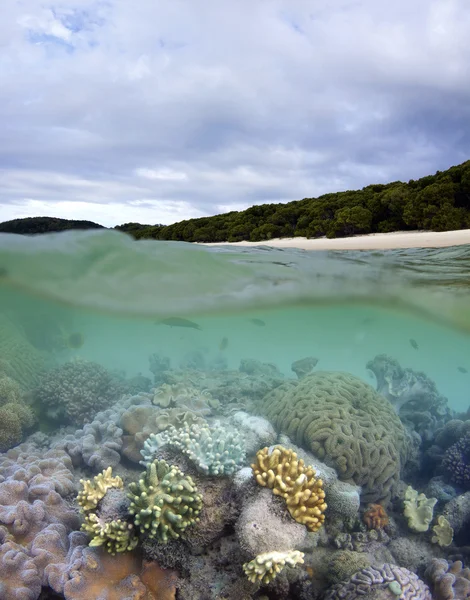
(443, 532)
(94, 491)
(418, 509)
(288, 476)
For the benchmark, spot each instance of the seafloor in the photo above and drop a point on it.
(210, 483)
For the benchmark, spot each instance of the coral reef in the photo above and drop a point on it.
(345, 422)
(457, 512)
(137, 423)
(443, 532)
(413, 395)
(265, 567)
(304, 366)
(164, 502)
(448, 580)
(345, 563)
(257, 432)
(75, 391)
(185, 397)
(418, 510)
(213, 450)
(15, 415)
(375, 517)
(287, 476)
(456, 462)
(386, 581)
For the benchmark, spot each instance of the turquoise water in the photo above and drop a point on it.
(341, 307)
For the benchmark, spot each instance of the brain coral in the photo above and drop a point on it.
(345, 423)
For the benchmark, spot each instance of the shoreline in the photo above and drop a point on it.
(372, 241)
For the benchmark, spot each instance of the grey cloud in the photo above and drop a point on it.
(247, 102)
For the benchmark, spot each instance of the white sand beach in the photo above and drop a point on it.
(374, 241)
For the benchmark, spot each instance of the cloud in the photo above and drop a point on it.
(180, 109)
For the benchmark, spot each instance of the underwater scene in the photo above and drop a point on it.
(187, 422)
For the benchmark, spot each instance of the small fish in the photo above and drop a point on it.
(462, 369)
(178, 322)
(414, 344)
(75, 340)
(223, 344)
(258, 322)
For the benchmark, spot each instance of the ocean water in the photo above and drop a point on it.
(102, 297)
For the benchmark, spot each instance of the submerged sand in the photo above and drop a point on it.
(374, 241)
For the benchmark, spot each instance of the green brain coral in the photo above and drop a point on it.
(164, 501)
(345, 423)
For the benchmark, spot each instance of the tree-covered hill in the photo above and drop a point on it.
(31, 225)
(439, 202)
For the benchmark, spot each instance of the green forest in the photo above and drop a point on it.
(439, 202)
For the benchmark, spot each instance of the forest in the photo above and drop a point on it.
(439, 202)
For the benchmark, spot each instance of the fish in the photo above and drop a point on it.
(223, 344)
(75, 340)
(178, 322)
(462, 369)
(258, 322)
(414, 344)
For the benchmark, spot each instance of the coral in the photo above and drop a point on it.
(98, 444)
(19, 576)
(213, 451)
(451, 432)
(456, 462)
(457, 512)
(121, 577)
(137, 423)
(304, 366)
(361, 541)
(10, 391)
(288, 477)
(185, 397)
(413, 552)
(265, 526)
(94, 491)
(346, 422)
(443, 532)
(448, 580)
(158, 365)
(75, 391)
(15, 415)
(164, 501)
(20, 360)
(384, 582)
(413, 394)
(418, 509)
(265, 567)
(258, 432)
(345, 563)
(375, 517)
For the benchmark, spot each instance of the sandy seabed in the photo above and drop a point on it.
(374, 241)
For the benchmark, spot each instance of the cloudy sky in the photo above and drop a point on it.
(160, 110)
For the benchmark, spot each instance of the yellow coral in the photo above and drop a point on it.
(418, 509)
(115, 536)
(443, 532)
(94, 491)
(283, 472)
(265, 567)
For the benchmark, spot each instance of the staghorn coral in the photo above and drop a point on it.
(265, 567)
(102, 511)
(75, 391)
(384, 582)
(213, 450)
(164, 501)
(375, 517)
(288, 477)
(343, 421)
(418, 509)
(456, 462)
(443, 532)
(448, 580)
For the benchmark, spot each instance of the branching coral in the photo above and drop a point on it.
(346, 423)
(288, 477)
(102, 521)
(266, 567)
(164, 501)
(213, 451)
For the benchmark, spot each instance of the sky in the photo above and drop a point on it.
(156, 111)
